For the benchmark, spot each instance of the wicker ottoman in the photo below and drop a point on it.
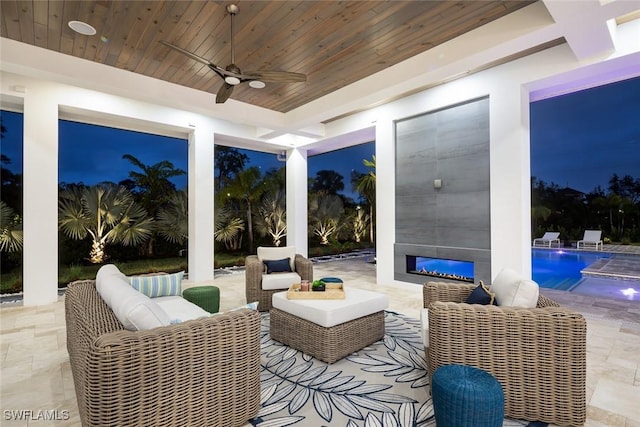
(464, 396)
(329, 329)
(205, 297)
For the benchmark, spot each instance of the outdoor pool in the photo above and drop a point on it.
(560, 269)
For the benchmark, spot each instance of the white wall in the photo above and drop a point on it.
(297, 200)
(40, 205)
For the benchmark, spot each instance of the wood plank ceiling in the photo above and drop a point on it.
(334, 43)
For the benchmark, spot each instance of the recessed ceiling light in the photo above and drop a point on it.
(256, 84)
(82, 28)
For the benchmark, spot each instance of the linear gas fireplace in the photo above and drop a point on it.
(422, 263)
(450, 269)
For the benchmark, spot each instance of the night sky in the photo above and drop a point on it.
(577, 140)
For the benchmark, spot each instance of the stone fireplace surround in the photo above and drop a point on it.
(442, 188)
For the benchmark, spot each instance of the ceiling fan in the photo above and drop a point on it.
(232, 75)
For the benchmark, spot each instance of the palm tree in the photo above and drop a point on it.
(359, 222)
(11, 236)
(153, 187)
(106, 213)
(248, 188)
(366, 185)
(173, 218)
(272, 219)
(325, 211)
(228, 228)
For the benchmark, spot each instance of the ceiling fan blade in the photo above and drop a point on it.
(189, 54)
(277, 76)
(224, 93)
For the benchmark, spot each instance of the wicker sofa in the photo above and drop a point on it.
(254, 270)
(537, 354)
(203, 372)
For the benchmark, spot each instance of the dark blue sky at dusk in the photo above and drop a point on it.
(580, 140)
(91, 154)
(577, 140)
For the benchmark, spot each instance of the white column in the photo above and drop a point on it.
(40, 191)
(200, 180)
(297, 203)
(510, 179)
(385, 199)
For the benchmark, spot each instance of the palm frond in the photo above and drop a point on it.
(11, 234)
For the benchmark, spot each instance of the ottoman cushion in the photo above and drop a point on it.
(327, 313)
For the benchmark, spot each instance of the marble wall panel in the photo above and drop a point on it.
(452, 145)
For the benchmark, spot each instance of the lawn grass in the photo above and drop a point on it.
(11, 282)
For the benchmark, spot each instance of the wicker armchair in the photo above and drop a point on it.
(254, 269)
(203, 372)
(537, 354)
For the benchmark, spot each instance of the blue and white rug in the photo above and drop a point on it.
(382, 385)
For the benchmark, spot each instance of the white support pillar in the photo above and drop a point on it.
(40, 190)
(201, 157)
(385, 199)
(297, 203)
(510, 179)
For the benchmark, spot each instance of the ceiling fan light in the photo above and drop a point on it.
(232, 80)
(256, 84)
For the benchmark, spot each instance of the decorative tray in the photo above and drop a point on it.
(332, 291)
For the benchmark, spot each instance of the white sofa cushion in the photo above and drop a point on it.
(179, 309)
(134, 310)
(357, 303)
(276, 253)
(513, 290)
(279, 280)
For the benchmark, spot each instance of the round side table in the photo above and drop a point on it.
(206, 297)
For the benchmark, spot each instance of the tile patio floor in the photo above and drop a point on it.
(36, 375)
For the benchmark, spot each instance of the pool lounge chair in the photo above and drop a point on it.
(547, 240)
(591, 239)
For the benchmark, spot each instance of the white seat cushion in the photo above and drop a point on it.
(179, 309)
(357, 303)
(513, 290)
(136, 312)
(424, 328)
(279, 280)
(276, 253)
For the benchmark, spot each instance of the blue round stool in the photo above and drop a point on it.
(464, 396)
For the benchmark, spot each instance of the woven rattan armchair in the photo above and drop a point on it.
(203, 372)
(254, 269)
(537, 354)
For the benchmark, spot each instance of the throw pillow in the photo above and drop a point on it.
(481, 295)
(271, 253)
(513, 290)
(162, 285)
(278, 265)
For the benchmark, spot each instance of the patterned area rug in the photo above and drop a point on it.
(382, 385)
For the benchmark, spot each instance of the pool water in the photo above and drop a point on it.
(559, 269)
